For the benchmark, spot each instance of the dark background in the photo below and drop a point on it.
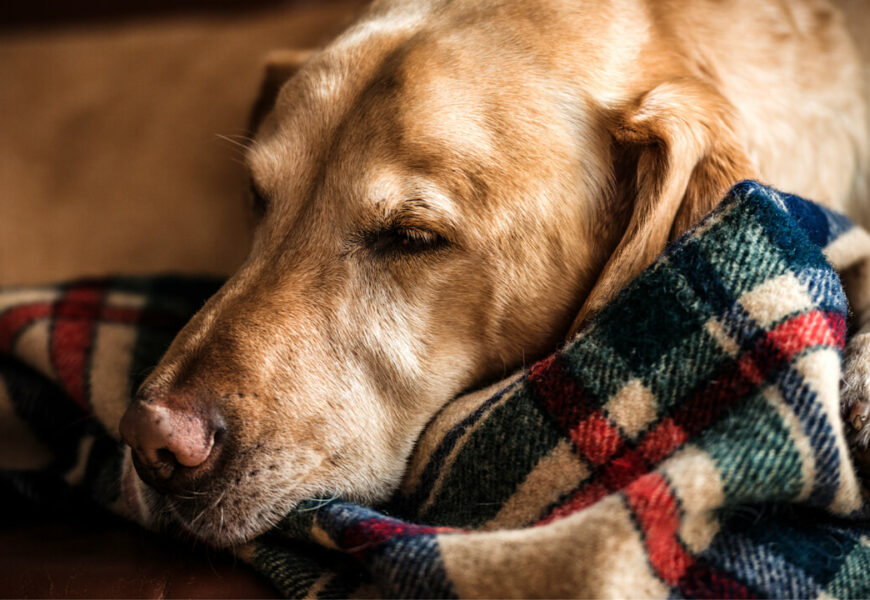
(43, 13)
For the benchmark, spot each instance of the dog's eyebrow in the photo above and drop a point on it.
(401, 197)
(418, 212)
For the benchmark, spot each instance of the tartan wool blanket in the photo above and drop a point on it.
(687, 443)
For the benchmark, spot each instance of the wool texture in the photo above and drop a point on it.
(687, 443)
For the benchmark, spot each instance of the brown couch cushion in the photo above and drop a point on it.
(111, 160)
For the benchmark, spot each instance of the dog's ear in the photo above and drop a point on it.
(684, 155)
(280, 66)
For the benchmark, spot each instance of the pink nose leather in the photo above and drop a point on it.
(153, 430)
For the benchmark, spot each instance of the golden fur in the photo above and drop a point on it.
(450, 188)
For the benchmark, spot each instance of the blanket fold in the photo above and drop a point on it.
(687, 443)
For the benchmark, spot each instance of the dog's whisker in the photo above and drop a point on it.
(238, 136)
(321, 503)
(218, 501)
(199, 516)
(234, 143)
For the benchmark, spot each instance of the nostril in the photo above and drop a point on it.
(164, 455)
(164, 464)
(220, 432)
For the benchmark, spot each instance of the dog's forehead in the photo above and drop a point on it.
(314, 103)
(333, 116)
(442, 101)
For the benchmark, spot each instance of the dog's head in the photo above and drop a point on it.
(438, 195)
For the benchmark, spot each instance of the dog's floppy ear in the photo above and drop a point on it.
(280, 66)
(684, 156)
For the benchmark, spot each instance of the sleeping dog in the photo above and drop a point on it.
(445, 193)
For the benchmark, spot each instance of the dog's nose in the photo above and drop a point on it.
(174, 443)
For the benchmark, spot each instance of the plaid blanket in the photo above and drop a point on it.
(687, 443)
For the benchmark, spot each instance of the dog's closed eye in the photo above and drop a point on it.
(413, 228)
(405, 239)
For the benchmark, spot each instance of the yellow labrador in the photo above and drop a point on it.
(448, 190)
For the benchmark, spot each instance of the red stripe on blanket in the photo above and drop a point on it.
(749, 370)
(559, 392)
(601, 444)
(361, 537)
(586, 496)
(596, 439)
(616, 474)
(666, 437)
(18, 318)
(124, 316)
(657, 512)
(804, 331)
(15, 320)
(72, 338)
(775, 350)
(701, 580)
(623, 469)
(711, 401)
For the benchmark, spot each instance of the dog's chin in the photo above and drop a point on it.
(218, 518)
(219, 524)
